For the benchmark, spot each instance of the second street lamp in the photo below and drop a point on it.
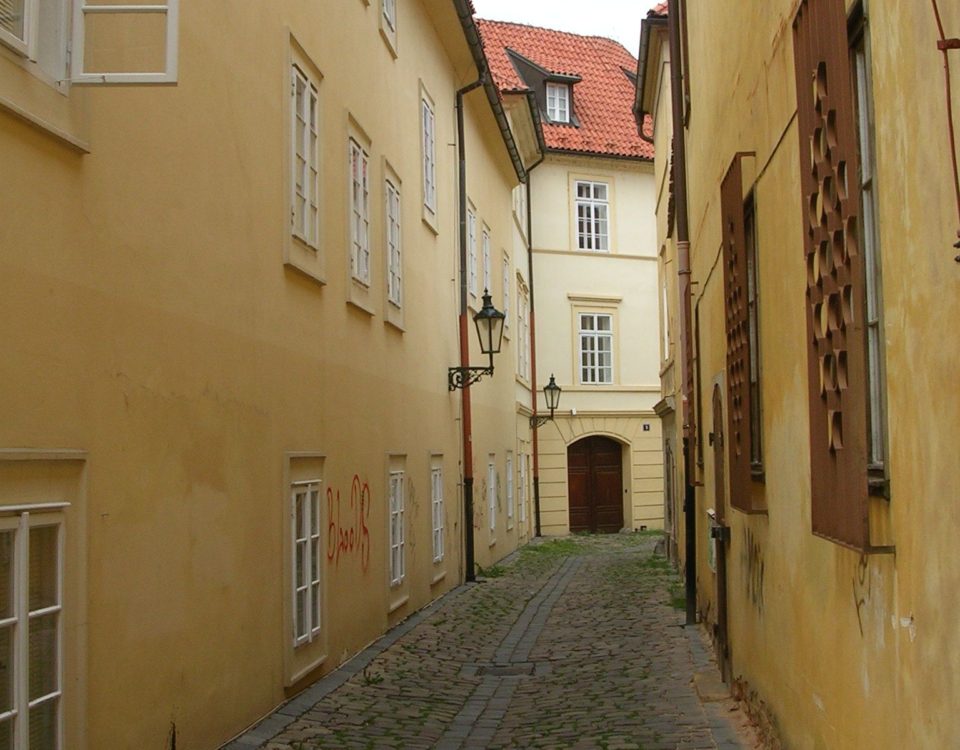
(489, 323)
(551, 393)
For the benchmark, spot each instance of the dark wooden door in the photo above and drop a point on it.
(595, 484)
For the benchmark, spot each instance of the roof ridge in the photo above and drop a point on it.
(553, 31)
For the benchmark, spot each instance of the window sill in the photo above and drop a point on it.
(359, 297)
(401, 602)
(429, 218)
(389, 38)
(439, 576)
(492, 543)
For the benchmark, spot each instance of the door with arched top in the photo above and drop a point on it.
(595, 485)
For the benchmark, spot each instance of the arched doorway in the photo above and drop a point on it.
(595, 485)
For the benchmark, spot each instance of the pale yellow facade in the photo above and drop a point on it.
(621, 283)
(833, 647)
(179, 364)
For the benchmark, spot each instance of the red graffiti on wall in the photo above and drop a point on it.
(347, 531)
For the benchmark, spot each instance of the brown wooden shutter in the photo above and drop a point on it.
(737, 439)
(835, 302)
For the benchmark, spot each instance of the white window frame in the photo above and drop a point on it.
(507, 292)
(388, 10)
(436, 505)
(590, 345)
(592, 215)
(472, 251)
(492, 493)
(428, 124)
(558, 102)
(393, 238)
(522, 494)
(359, 165)
(487, 262)
(306, 538)
(509, 471)
(26, 44)
(397, 542)
(305, 161)
(81, 9)
(523, 332)
(20, 522)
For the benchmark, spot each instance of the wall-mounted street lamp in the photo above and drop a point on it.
(551, 392)
(489, 323)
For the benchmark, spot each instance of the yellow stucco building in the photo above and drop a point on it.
(809, 370)
(229, 277)
(594, 261)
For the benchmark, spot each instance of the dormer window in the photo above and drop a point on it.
(558, 102)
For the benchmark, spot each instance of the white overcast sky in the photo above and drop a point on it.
(617, 19)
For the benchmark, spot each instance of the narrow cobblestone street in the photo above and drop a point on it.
(572, 643)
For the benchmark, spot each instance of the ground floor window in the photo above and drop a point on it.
(31, 613)
(306, 562)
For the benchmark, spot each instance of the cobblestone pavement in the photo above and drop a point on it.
(574, 645)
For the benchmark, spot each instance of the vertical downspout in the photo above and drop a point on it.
(683, 272)
(467, 420)
(533, 355)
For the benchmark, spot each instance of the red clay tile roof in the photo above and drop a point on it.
(658, 10)
(602, 100)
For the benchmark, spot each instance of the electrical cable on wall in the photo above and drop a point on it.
(945, 45)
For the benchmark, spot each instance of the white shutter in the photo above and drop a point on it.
(149, 54)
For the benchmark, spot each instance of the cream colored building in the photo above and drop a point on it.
(229, 457)
(594, 278)
(821, 214)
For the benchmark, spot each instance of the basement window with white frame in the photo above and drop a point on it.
(509, 471)
(487, 267)
(305, 521)
(39, 31)
(436, 504)
(397, 561)
(359, 213)
(523, 489)
(492, 493)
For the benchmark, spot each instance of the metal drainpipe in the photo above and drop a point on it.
(466, 421)
(683, 272)
(533, 352)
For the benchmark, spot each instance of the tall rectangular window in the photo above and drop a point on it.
(428, 137)
(523, 489)
(436, 504)
(397, 560)
(359, 213)
(472, 251)
(487, 267)
(305, 519)
(558, 102)
(506, 292)
(873, 298)
(31, 611)
(753, 318)
(394, 259)
(305, 211)
(834, 137)
(743, 438)
(390, 13)
(492, 492)
(593, 216)
(523, 333)
(509, 472)
(596, 348)
(15, 20)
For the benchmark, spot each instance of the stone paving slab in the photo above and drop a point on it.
(574, 646)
